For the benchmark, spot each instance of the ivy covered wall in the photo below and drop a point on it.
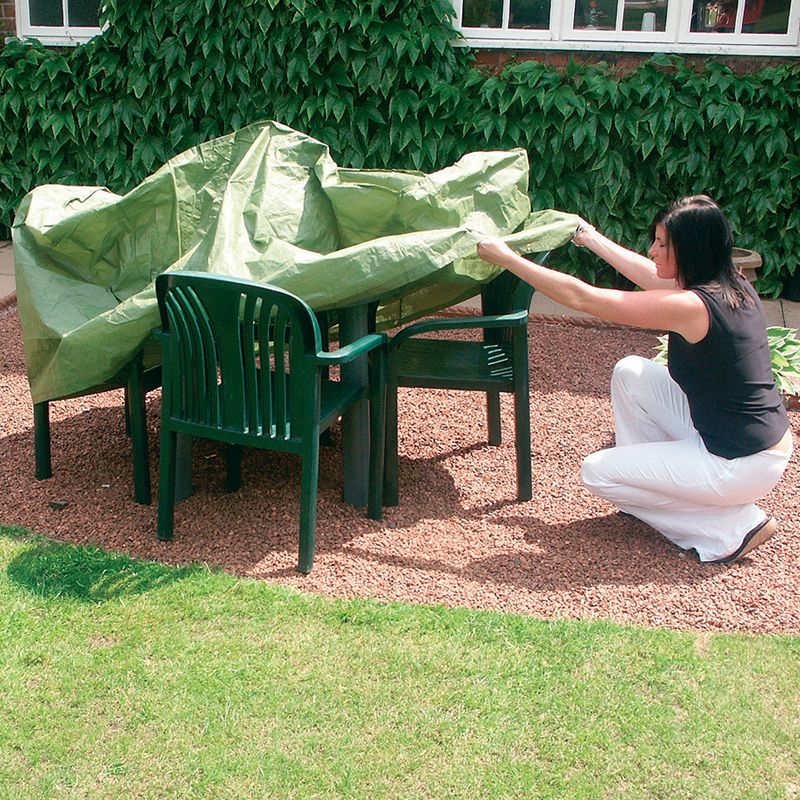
(381, 82)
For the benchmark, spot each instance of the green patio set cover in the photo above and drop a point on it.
(266, 203)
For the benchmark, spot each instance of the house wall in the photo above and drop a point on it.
(496, 60)
(8, 25)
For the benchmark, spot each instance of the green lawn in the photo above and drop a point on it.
(126, 679)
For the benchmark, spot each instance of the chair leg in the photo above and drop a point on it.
(233, 467)
(166, 484)
(391, 489)
(493, 418)
(522, 417)
(308, 504)
(377, 432)
(41, 440)
(136, 408)
(523, 443)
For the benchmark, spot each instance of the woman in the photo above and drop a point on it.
(700, 440)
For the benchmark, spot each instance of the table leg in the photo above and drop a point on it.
(355, 423)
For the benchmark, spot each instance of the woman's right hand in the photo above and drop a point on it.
(495, 251)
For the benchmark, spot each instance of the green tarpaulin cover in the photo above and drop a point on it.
(266, 203)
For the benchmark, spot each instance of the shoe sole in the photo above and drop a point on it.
(755, 538)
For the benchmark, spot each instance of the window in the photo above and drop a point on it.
(746, 27)
(59, 21)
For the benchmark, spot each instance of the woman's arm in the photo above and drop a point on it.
(637, 268)
(658, 309)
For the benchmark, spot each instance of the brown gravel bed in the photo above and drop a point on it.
(457, 538)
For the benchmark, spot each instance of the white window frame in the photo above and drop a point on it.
(64, 35)
(505, 32)
(675, 39)
(588, 35)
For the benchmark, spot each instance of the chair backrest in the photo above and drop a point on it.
(230, 347)
(507, 293)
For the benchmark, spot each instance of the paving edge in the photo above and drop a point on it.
(553, 319)
(8, 301)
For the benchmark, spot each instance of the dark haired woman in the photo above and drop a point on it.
(699, 441)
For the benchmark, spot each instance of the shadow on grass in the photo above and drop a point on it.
(88, 574)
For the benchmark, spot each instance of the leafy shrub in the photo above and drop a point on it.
(785, 350)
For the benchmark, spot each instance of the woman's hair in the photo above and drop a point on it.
(701, 238)
(657, 220)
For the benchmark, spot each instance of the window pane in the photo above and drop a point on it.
(46, 12)
(715, 17)
(83, 13)
(766, 16)
(482, 13)
(596, 15)
(530, 14)
(645, 15)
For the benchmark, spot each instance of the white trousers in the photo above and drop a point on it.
(661, 472)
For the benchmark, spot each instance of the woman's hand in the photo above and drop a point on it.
(495, 251)
(583, 233)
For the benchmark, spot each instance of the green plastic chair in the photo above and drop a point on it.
(218, 336)
(498, 363)
(136, 381)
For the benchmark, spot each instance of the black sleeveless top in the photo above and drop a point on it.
(727, 378)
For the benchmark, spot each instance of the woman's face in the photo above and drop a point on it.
(663, 255)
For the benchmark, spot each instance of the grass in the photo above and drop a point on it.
(127, 679)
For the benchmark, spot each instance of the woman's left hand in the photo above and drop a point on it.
(583, 234)
(495, 251)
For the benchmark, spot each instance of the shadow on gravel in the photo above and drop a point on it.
(601, 551)
(597, 551)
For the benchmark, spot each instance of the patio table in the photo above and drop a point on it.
(265, 203)
(353, 324)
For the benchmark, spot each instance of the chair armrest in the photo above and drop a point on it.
(157, 334)
(353, 350)
(461, 323)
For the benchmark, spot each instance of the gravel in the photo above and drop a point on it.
(458, 537)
